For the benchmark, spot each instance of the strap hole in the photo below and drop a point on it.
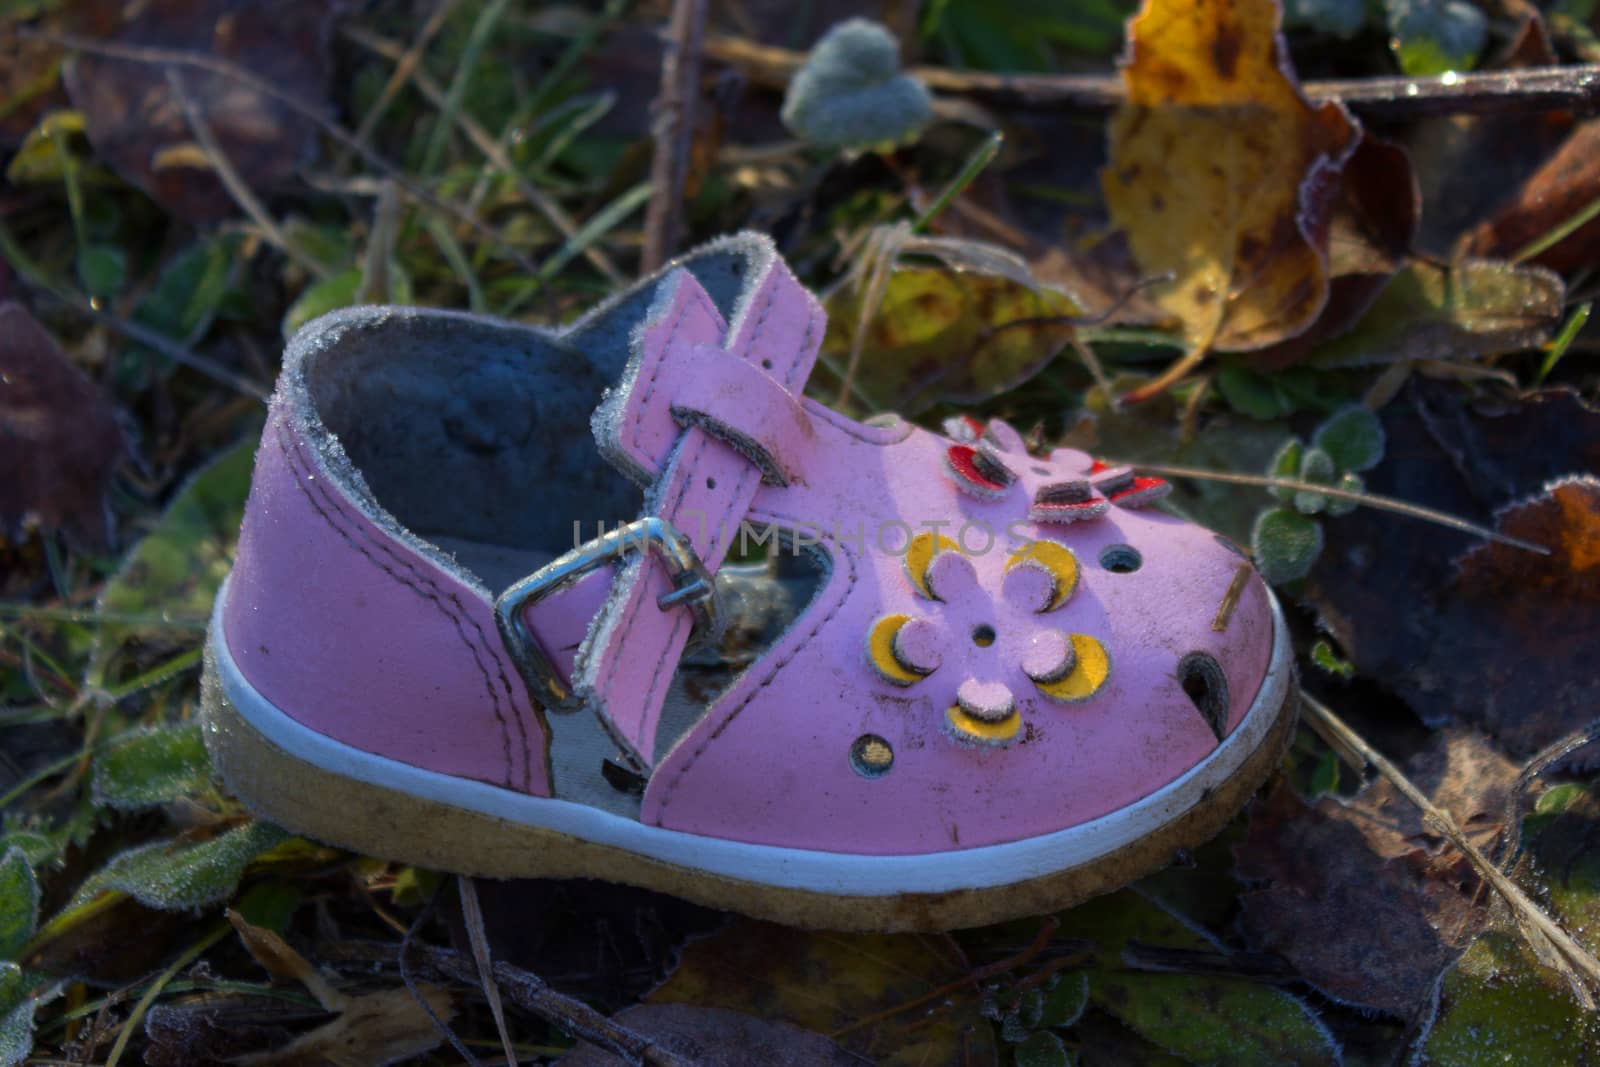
(766, 364)
(711, 483)
(1121, 559)
(1207, 689)
(871, 756)
(983, 636)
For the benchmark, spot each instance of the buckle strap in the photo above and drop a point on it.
(693, 587)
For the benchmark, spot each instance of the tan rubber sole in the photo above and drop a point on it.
(387, 823)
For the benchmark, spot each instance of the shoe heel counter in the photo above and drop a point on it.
(351, 633)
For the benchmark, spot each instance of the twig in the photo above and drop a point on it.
(163, 57)
(1510, 842)
(472, 916)
(491, 150)
(1483, 93)
(232, 180)
(403, 69)
(674, 129)
(530, 993)
(1550, 943)
(1371, 500)
(145, 336)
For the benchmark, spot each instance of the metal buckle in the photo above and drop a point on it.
(693, 587)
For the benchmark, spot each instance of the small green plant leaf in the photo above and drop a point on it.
(1497, 999)
(1042, 1049)
(36, 847)
(19, 903)
(175, 875)
(1434, 36)
(851, 92)
(151, 767)
(1316, 466)
(1253, 394)
(189, 292)
(1350, 483)
(330, 294)
(102, 269)
(1286, 544)
(21, 994)
(1064, 1002)
(1323, 655)
(1200, 1018)
(176, 570)
(1353, 438)
(1286, 464)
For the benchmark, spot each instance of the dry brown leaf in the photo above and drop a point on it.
(60, 440)
(135, 124)
(373, 1030)
(1559, 190)
(717, 1037)
(1223, 174)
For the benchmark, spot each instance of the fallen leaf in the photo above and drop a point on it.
(1472, 307)
(1498, 1002)
(62, 440)
(717, 1037)
(1223, 174)
(1370, 237)
(1202, 1018)
(214, 1030)
(150, 767)
(134, 120)
(961, 336)
(1502, 641)
(1565, 185)
(182, 874)
(829, 982)
(373, 1030)
(1358, 895)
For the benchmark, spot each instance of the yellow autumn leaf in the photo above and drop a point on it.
(1222, 174)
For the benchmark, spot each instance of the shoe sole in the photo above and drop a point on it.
(321, 788)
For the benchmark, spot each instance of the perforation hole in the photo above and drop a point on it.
(1207, 689)
(983, 636)
(871, 756)
(1121, 559)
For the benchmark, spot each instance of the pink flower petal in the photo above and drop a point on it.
(1050, 656)
(986, 701)
(1028, 586)
(952, 577)
(917, 645)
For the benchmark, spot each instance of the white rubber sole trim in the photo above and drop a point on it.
(833, 873)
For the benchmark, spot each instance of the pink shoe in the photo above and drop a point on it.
(952, 682)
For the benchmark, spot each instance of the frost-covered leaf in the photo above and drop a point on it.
(1286, 464)
(717, 1037)
(1350, 483)
(851, 92)
(1468, 308)
(1498, 1005)
(151, 767)
(21, 994)
(175, 875)
(955, 335)
(1286, 544)
(19, 903)
(1353, 438)
(1434, 36)
(1201, 1017)
(1064, 1002)
(1316, 467)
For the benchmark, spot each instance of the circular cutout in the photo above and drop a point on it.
(1121, 559)
(871, 756)
(983, 636)
(711, 483)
